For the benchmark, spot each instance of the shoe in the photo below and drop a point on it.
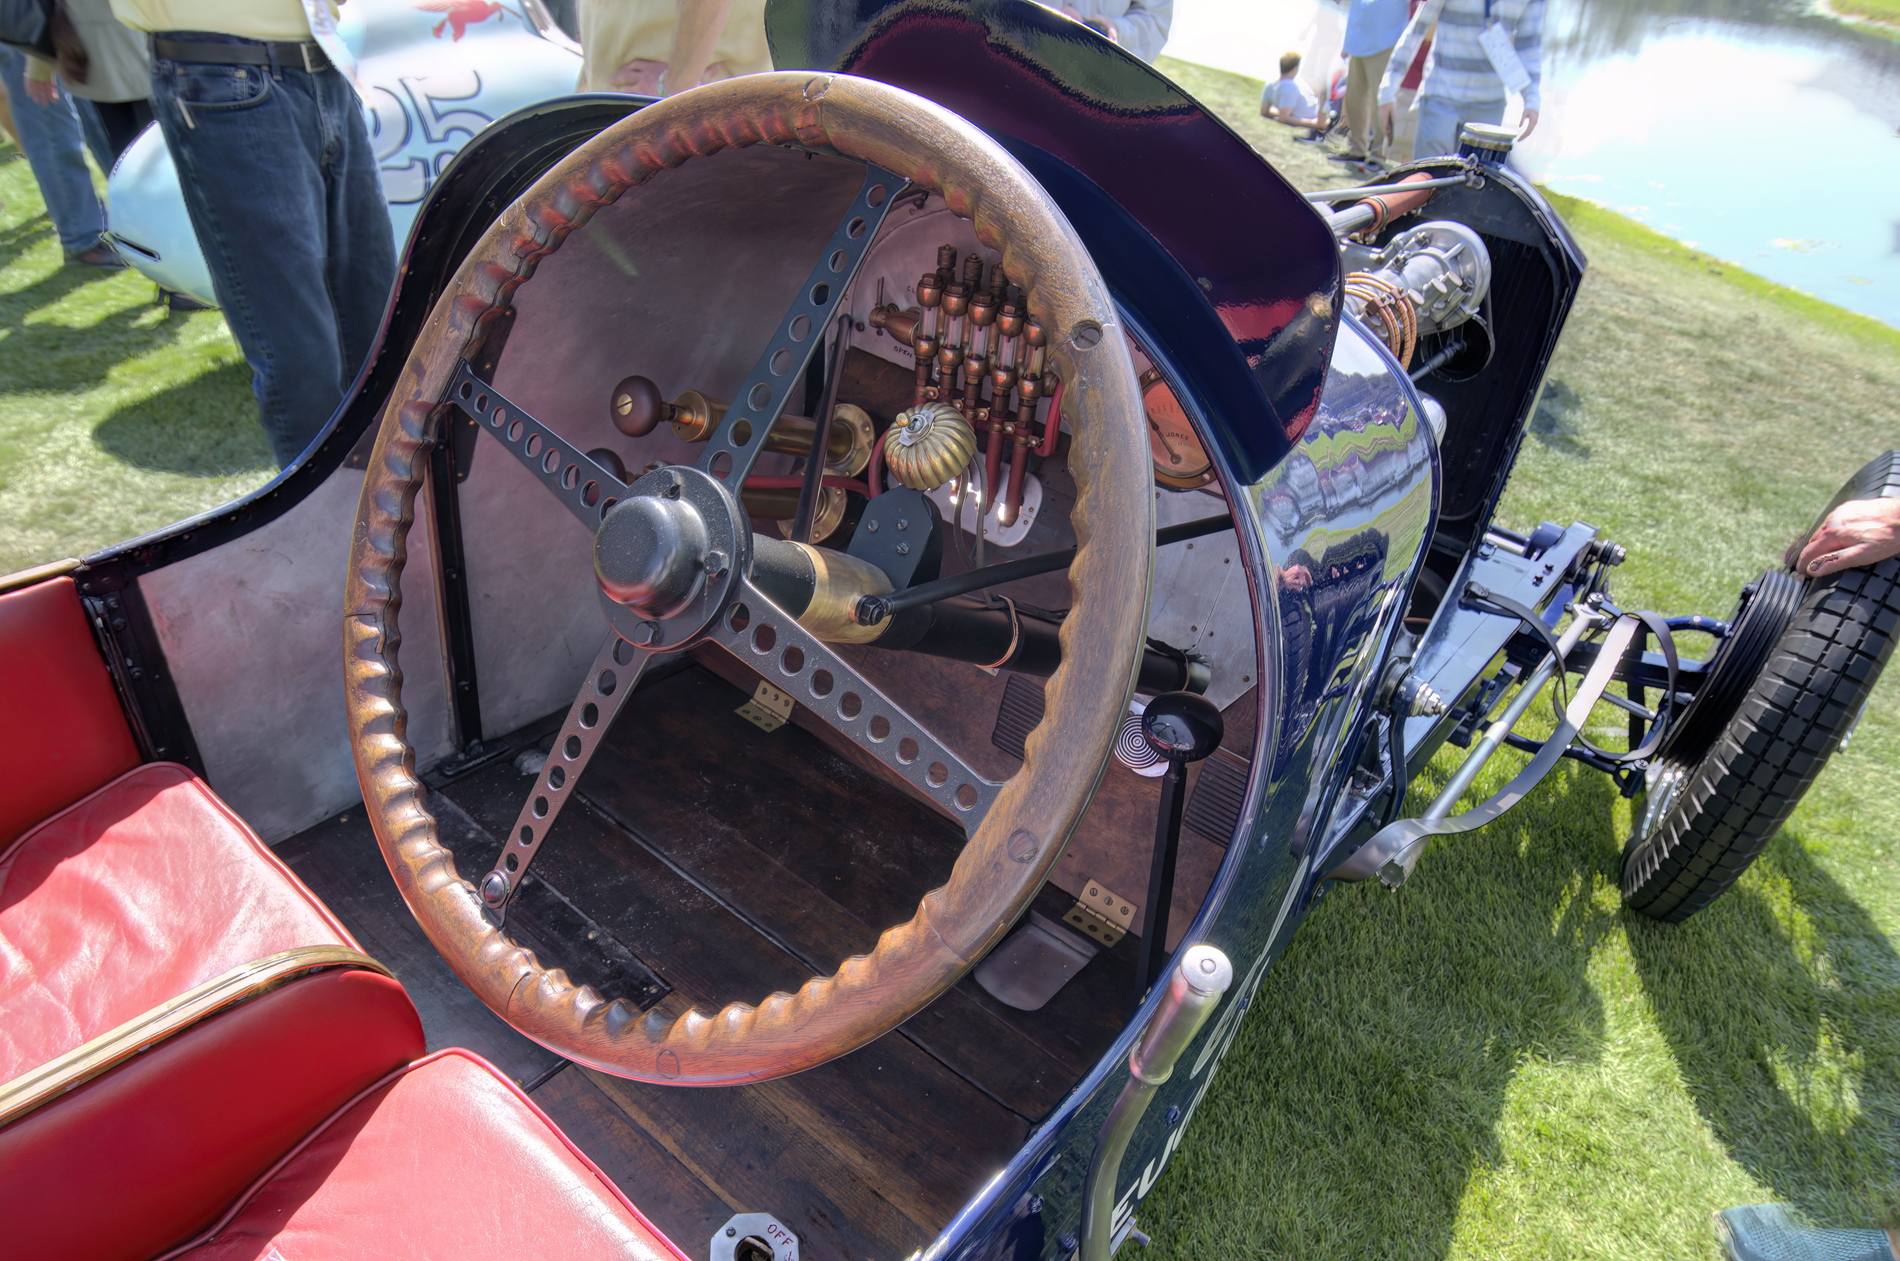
(101, 255)
(1354, 158)
(1374, 164)
(1315, 138)
(1768, 1232)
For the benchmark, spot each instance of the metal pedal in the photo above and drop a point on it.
(1213, 810)
(1017, 716)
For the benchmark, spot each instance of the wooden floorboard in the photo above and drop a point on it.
(875, 1150)
(340, 861)
(668, 1191)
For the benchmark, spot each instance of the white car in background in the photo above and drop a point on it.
(435, 73)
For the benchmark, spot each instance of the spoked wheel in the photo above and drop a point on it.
(673, 560)
(1785, 688)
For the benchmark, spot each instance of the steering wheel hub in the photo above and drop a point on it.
(650, 553)
(666, 553)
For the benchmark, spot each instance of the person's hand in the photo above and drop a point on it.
(1528, 125)
(1385, 118)
(1296, 577)
(1859, 532)
(43, 91)
(639, 77)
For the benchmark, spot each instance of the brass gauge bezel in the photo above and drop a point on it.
(1164, 475)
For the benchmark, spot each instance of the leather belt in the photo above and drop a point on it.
(304, 55)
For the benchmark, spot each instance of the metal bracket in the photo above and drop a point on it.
(1106, 916)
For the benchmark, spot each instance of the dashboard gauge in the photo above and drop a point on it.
(1180, 460)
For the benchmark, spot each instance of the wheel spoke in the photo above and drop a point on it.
(584, 487)
(735, 446)
(610, 680)
(768, 639)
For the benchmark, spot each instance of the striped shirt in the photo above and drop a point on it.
(1458, 70)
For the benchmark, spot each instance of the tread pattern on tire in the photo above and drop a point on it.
(1815, 682)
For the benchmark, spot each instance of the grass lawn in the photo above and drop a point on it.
(116, 416)
(1497, 1061)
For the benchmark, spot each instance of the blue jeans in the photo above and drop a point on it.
(56, 150)
(288, 207)
(1439, 121)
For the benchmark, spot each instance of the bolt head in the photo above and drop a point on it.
(715, 563)
(646, 633)
(903, 549)
(903, 523)
(494, 888)
(870, 527)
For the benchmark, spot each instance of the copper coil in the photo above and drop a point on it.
(1390, 307)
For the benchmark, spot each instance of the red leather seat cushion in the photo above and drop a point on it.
(62, 733)
(446, 1162)
(127, 899)
(140, 1159)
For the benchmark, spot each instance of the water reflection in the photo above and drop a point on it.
(1761, 131)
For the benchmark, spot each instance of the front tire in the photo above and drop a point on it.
(1708, 812)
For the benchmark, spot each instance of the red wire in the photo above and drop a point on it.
(875, 474)
(762, 481)
(1052, 427)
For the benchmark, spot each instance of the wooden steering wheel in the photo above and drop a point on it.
(673, 557)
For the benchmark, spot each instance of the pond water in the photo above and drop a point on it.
(1758, 131)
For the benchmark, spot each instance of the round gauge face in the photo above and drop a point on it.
(1180, 459)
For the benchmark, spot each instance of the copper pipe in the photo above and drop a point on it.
(1018, 469)
(992, 463)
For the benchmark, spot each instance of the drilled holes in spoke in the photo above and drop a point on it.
(866, 718)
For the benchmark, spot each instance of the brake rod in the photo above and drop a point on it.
(872, 609)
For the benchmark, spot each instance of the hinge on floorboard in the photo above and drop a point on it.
(768, 709)
(1101, 913)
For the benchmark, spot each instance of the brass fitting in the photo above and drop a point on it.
(840, 582)
(928, 445)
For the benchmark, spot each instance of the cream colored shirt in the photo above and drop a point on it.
(615, 32)
(252, 19)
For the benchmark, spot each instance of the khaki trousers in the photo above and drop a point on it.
(1362, 104)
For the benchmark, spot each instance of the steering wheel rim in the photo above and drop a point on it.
(1027, 828)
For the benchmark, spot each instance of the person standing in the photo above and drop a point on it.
(1464, 81)
(114, 79)
(1402, 121)
(55, 148)
(1373, 28)
(283, 192)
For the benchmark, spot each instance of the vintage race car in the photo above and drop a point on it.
(920, 818)
(434, 74)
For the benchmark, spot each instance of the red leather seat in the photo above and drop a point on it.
(128, 898)
(444, 1160)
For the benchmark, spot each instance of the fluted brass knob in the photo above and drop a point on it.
(929, 445)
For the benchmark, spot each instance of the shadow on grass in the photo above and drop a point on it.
(1367, 1087)
(23, 237)
(55, 358)
(205, 427)
(1788, 1038)
(1554, 423)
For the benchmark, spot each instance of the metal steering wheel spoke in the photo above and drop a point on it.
(771, 641)
(585, 488)
(735, 446)
(610, 680)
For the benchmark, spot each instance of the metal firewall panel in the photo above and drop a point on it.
(683, 281)
(252, 633)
